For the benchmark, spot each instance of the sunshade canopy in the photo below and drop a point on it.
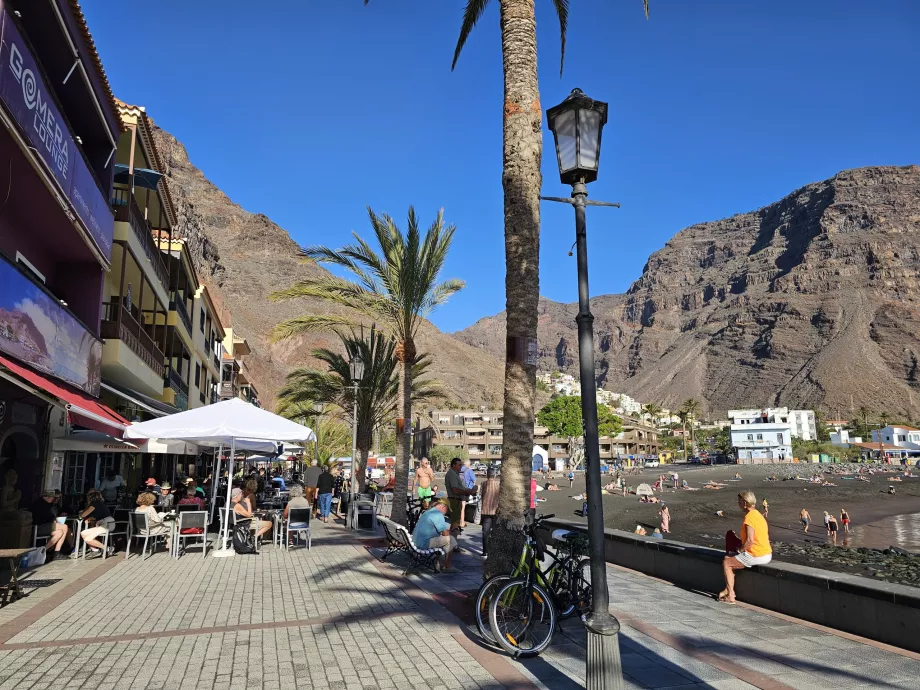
(142, 176)
(220, 423)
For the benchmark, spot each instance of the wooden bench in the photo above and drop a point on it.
(400, 541)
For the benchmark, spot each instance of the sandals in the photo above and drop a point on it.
(723, 597)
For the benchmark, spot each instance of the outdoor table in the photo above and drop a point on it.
(12, 591)
(274, 516)
(77, 528)
(172, 519)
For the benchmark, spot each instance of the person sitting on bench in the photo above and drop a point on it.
(433, 532)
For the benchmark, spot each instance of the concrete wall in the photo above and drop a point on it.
(880, 611)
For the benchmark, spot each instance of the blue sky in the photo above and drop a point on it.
(308, 111)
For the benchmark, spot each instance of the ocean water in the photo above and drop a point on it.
(901, 530)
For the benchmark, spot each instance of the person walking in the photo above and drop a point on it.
(827, 523)
(310, 478)
(665, 519)
(832, 528)
(489, 505)
(805, 518)
(571, 479)
(755, 546)
(423, 482)
(765, 506)
(324, 486)
(845, 520)
(456, 492)
(469, 482)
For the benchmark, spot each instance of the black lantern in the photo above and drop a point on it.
(357, 368)
(576, 124)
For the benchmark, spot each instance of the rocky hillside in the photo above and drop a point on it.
(243, 257)
(811, 301)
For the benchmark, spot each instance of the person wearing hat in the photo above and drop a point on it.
(165, 500)
(433, 532)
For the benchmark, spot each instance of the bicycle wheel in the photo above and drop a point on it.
(582, 593)
(483, 599)
(523, 618)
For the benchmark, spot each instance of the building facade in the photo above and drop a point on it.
(757, 435)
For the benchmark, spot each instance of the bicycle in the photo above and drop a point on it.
(567, 576)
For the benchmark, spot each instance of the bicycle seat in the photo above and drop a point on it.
(560, 534)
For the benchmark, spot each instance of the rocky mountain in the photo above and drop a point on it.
(813, 301)
(242, 257)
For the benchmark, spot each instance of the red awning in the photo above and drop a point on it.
(81, 408)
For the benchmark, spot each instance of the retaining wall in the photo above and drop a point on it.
(880, 611)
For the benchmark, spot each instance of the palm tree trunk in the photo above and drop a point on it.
(684, 427)
(364, 450)
(522, 151)
(405, 353)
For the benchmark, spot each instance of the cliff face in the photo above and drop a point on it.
(243, 257)
(811, 301)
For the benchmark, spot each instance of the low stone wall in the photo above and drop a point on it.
(880, 611)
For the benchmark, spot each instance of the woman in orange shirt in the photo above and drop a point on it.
(755, 545)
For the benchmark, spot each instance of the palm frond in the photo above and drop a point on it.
(471, 15)
(308, 323)
(562, 11)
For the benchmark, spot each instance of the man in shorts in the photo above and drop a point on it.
(423, 483)
(456, 492)
(433, 532)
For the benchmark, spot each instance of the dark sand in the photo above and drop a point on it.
(693, 517)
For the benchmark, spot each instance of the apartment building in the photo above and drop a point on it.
(761, 435)
(479, 433)
(208, 335)
(235, 379)
(57, 143)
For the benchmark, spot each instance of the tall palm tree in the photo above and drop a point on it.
(683, 415)
(522, 152)
(396, 287)
(863, 413)
(691, 407)
(653, 410)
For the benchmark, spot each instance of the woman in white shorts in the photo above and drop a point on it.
(97, 513)
(755, 545)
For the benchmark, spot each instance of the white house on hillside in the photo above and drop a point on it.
(760, 437)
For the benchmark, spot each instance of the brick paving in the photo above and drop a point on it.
(335, 618)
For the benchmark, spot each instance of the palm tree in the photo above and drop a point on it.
(691, 407)
(397, 288)
(863, 413)
(683, 415)
(522, 152)
(653, 411)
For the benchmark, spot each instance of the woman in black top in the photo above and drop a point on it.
(96, 512)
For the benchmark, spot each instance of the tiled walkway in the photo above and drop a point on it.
(336, 618)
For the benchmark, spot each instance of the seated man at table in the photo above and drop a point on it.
(191, 498)
(433, 532)
(155, 524)
(43, 517)
(165, 500)
(245, 508)
(297, 501)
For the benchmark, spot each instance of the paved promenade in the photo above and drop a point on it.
(336, 618)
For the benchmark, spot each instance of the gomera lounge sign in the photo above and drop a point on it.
(29, 101)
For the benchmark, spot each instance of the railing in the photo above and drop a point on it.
(178, 305)
(127, 211)
(118, 323)
(229, 390)
(174, 380)
(214, 397)
(216, 360)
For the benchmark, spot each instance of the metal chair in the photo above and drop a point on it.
(140, 530)
(45, 533)
(300, 519)
(192, 519)
(188, 508)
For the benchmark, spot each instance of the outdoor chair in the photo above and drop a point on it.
(297, 517)
(192, 520)
(384, 505)
(104, 538)
(139, 530)
(188, 508)
(41, 532)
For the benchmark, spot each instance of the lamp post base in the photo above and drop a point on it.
(604, 668)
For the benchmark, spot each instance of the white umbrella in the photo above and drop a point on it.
(221, 424)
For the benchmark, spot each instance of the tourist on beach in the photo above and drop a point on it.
(845, 520)
(765, 506)
(832, 527)
(665, 519)
(827, 523)
(571, 479)
(755, 545)
(805, 518)
(433, 531)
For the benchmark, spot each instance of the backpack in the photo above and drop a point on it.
(244, 541)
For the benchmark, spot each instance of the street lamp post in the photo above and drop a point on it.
(576, 124)
(317, 411)
(357, 373)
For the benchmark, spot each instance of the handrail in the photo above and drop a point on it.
(178, 305)
(118, 323)
(127, 211)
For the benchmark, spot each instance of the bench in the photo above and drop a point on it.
(399, 541)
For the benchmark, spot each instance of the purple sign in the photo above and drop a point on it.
(38, 331)
(29, 101)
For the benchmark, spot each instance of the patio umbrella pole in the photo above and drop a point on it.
(215, 480)
(224, 549)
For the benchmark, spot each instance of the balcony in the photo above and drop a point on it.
(216, 360)
(178, 306)
(229, 389)
(118, 323)
(174, 381)
(127, 211)
(214, 397)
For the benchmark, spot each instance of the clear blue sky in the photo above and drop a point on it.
(308, 111)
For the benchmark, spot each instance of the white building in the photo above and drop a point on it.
(906, 437)
(801, 422)
(626, 404)
(760, 437)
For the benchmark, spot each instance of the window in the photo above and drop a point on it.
(760, 437)
(902, 437)
(201, 321)
(197, 374)
(779, 437)
(750, 437)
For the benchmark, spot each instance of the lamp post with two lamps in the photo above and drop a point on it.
(576, 124)
(356, 367)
